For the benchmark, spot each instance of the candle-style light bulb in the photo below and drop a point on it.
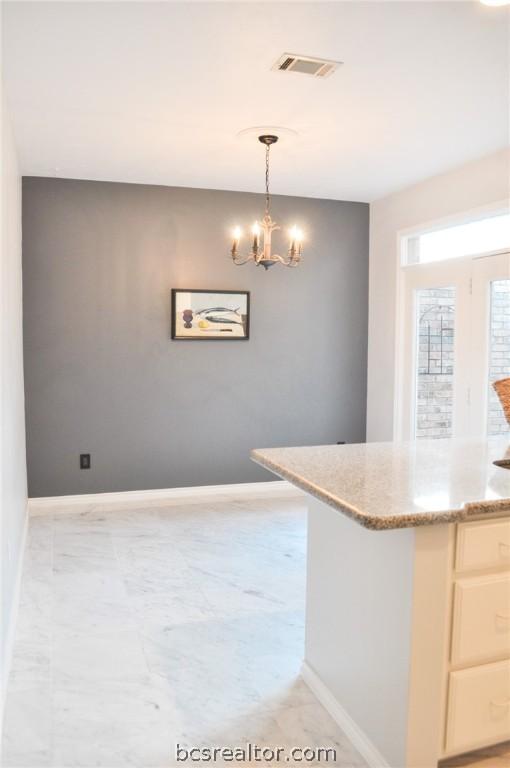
(236, 232)
(256, 234)
(296, 237)
(293, 238)
(299, 241)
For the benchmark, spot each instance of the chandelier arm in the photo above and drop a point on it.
(239, 261)
(289, 261)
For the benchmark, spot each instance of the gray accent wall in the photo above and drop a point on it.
(102, 375)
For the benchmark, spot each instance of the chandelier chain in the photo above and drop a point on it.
(267, 179)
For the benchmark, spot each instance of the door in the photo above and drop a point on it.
(455, 340)
(490, 341)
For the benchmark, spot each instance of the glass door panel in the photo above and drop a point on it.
(431, 365)
(499, 352)
(434, 362)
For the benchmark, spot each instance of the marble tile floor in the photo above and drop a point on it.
(143, 628)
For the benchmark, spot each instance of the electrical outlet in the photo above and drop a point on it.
(84, 460)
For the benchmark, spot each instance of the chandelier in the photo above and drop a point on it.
(260, 252)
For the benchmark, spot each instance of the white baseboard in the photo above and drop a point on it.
(271, 489)
(351, 729)
(8, 647)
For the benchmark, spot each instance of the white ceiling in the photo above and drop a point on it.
(156, 92)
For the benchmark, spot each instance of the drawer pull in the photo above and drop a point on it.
(501, 704)
(503, 616)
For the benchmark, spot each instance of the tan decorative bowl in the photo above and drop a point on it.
(502, 388)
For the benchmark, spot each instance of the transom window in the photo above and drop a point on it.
(480, 236)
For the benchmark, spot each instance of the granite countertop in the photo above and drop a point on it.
(400, 485)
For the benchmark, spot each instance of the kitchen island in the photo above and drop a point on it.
(408, 592)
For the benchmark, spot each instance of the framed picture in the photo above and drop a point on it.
(210, 315)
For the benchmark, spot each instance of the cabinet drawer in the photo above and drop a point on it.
(478, 707)
(481, 619)
(483, 545)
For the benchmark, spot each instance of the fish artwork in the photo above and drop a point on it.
(208, 315)
(221, 315)
(217, 309)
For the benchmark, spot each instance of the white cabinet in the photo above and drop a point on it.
(481, 619)
(460, 665)
(479, 706)
(478, 703)
(482, 545)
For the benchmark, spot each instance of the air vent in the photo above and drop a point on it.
(306, 65)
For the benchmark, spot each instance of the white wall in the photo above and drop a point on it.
(480, 183)
(12, 457)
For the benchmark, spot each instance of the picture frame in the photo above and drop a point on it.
(200, 314)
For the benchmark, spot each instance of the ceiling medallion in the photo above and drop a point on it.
(260, 252)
